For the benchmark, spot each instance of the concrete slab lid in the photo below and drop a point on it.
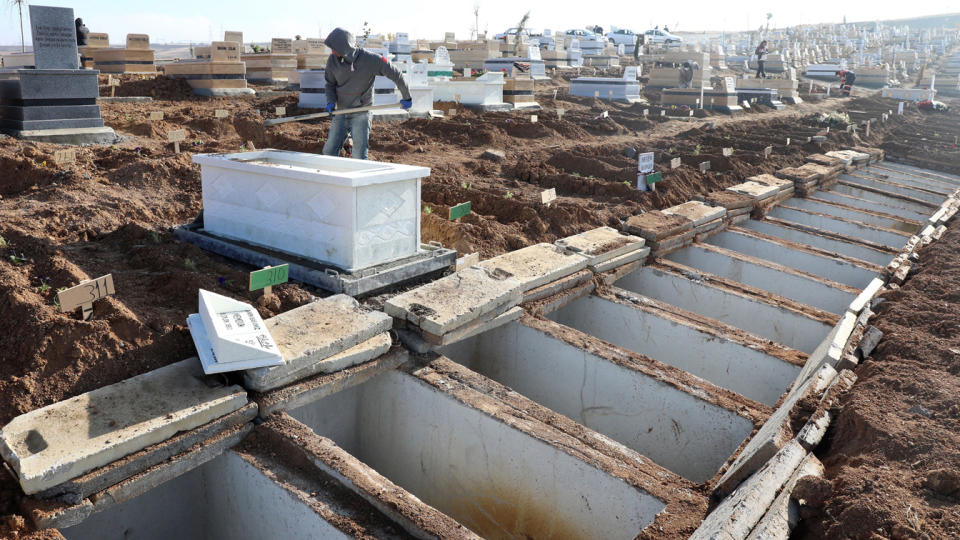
(602, 243)
(313, 167)
(263, 380)
(316, 331)
(697, 212)
(854, 155)
(841, 155)
(62, 441)
(771, 180)
(655, 225)
(537, 265)
(755, 190)
(455, 300)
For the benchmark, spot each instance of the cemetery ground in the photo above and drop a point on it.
(112, 210)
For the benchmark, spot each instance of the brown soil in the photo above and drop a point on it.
(893, 453)
(112, 211)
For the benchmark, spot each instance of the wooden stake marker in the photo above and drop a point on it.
(268, 277)
(113, 83)
(85, 294)
(175, 137)
(65, 156)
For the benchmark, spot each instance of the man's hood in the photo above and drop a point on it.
(343, 43)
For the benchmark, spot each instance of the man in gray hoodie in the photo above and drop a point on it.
(350, 74)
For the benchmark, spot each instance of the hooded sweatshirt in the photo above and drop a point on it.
(350, 76)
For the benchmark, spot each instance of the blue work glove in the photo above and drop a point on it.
(331, 106)
(406, 103)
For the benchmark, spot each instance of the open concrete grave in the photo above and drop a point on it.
(673, 370)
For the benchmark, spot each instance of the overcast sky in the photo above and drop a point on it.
(200, 20)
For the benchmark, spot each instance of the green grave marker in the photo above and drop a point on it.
(460, 210)
(653, 178)
(268, 277)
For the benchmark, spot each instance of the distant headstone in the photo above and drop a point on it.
(234, 37)
(441, 55)
(54, 38)
(449, 37)
(630, 73)
(730, 85)
(315, 44)
(138, 41)
(225, 51)
(281, 45)
(98, 40)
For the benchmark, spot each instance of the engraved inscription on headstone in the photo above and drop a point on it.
(281, 45)
(138, 41)
(225, 51)
(54, 38)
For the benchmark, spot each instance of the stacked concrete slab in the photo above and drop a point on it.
(136, 57)
(325, 336)
(678, 226)
(458, 306)
(51, 446)
(57, 102)
(606, 248)
(713, 99)
(625, 89)
(519, 91)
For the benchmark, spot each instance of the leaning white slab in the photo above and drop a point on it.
(697, 212)
(231, 336)
(755, 190)
(312, 333)
(601, 244)
(537, 265)
(62, 441)
(455, 300)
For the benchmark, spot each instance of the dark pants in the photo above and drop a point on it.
(761, 74)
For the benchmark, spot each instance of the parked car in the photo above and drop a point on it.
(509, 32)
(661, 36)
(578, 33)
(622, 37)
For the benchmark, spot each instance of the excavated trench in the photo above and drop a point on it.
(546, 426)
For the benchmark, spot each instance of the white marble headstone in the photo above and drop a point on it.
(533, 52)
(417, 75)
(441, 55)
(630, 73)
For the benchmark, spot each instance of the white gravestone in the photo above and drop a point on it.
(231, 336)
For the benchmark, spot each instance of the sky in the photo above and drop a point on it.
(196, 21)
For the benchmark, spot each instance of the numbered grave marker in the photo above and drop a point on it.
(727, 152)
(113, 83)
(175, 137)
(456, 97)
(788, 141)
(220, 113)
(280, 111)
(675, 163)
(767, 151)
(560, 113)
(547, 196)
(646, 113)
(85, 294)
(652, 180)
(156, 115)
(604, 114)
(65, 156)
(460, 210)
(704, 166)
(451, 113)
(533, 119)
(268, 277)
(663, 113)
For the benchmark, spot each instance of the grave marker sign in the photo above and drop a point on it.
(281, 45)
(85, 294)
(675, 163)
(547, 196)
(138, 41)
(704, 166)
(65, 156)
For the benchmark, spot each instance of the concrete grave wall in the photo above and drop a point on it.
(473, 467)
